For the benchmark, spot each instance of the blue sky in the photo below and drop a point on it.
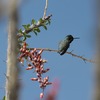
(75, 17)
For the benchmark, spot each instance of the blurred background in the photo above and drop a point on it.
(75, 17)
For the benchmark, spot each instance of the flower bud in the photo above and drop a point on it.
(40, 51)
(34, 79)
(41, 95)
(29, 68)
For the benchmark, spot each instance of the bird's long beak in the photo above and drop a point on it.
(76, 38)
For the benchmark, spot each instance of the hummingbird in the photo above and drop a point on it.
(65, 44)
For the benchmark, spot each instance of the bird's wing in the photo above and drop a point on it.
(61, 45)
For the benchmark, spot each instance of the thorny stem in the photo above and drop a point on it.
(33, 26)
(12, 82)
(74, 55)
(38, 24)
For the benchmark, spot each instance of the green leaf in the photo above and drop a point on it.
(45, 27)
(28, 36)
(37, 29)
(20, 31)
(35, 32)
(28, 25)
(24, 34)
(33, 21)
(24, 38)
(49, 22)
(40, 20)
(25, 27)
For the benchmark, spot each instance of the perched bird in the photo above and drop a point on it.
(64, 44)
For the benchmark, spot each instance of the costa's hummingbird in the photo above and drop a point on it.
(64, 44)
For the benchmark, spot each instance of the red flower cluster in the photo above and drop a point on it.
(36, 62)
